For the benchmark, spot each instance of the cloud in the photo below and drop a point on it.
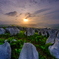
(43, 1)
(29, 15)
(42, 10)
(33, 1)
(52, 12)
(19, 15)
(35, 13)
(54, 15)
(50, 1)
(14, 13)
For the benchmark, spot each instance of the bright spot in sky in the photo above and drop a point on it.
(25, 20)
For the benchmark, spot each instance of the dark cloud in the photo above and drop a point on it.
(33, 1)
(53, 14)
(35, 13)
(14, 13)
(42, 10)
(5, 3)
(56, 11)
(50, 1)
(29, 15)
(19, 15)
(39, 1)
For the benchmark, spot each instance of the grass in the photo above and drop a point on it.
(37, 40)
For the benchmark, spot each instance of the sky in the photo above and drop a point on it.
(38, 12)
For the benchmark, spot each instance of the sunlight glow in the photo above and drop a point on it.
(25, 20)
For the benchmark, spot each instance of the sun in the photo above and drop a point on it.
(25, 20)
